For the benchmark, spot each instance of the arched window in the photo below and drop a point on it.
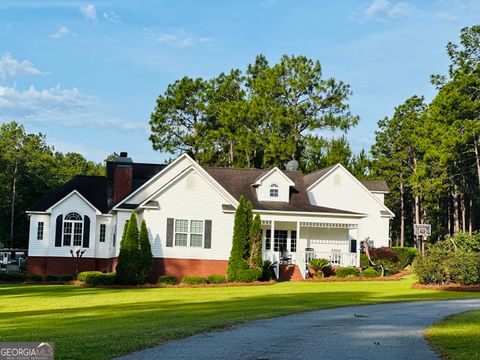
(72, 230)
(273, 190)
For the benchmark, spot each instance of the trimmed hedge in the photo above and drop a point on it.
(406, 255)
(85, 274)
(64, 278)
(216, 279)
(100, 279)
(249, 275)
(167, 280)
(347, 272)
(12, 277)
(194, 280)
(370, 272)
(34, 278)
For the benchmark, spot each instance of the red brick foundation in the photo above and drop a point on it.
(183, 267)
(178, 267)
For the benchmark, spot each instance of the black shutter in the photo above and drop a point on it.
(353, 246)
(208, 234)
(86, 231)
(58, 231)
(169, 232)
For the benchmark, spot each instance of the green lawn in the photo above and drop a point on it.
(457, 337)
(92, 323)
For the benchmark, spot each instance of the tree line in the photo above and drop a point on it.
(268, 114)
(29, 169)
(430, 152)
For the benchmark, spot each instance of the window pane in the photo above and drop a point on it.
(77, 228)
(40, 231)
(268, 237)
(181, 226)
(67, 227)
(77, 240)
(180, 239)
(102, 232)
(196, 227)
(196, 240)
(293, 241)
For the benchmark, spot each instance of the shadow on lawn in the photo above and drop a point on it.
(143, 322)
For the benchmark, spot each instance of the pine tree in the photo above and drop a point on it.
(145, 253)
(240, 235)
(255, 260)
(129, 257)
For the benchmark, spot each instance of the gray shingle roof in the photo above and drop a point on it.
(239, 182)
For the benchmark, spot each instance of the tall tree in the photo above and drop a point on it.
(129, 264)
(239, 243)
(262, 118)
(146, 256)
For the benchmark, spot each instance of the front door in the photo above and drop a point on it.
(280, 240)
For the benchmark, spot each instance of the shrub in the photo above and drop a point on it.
(430, 268)
(167, 280)
(34, 278)
(249, 275)
(406, 255)
(85, 274)
(267, 275)
(216, 279)
(129, 267)
(347, 272)
(53, 278)
(466, 242)
(100, 279)
(463, 268)
(370, 272)
(320, 266)
(194, 280)
(387, 259)
(146, 257)
(364, 263)
(12, 277)
(240, 241)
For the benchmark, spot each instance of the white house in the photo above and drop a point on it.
(189, 211)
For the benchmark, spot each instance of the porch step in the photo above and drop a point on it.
(289, 273)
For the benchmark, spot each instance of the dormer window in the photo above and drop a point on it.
(274, 190)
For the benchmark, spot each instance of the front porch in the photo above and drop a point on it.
(295, 243)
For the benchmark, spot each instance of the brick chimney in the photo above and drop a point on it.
(122, 177)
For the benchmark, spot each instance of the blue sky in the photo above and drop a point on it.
(87, 74)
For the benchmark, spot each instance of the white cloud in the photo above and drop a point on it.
(10, 67)
(447, 17)
(385, 9)
(182, 39)
(67, 107)
(89, 11)
(61, 32)
(112, 17)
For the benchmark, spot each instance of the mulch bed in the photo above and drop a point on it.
(395, 277)
(447, 287)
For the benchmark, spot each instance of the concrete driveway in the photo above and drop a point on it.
(370, 332)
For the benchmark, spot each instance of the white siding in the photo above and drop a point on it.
(72, 203)
(104, 249)
(379, 196)
(162, 179)
(202, 202)
(339, 190)
(38, 247)
(275, 177)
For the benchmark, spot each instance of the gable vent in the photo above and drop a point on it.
(191, 182)
(337, 180)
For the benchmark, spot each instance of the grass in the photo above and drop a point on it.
(456, 336)
(95, 323)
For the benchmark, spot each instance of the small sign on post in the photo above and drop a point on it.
(422, 231)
